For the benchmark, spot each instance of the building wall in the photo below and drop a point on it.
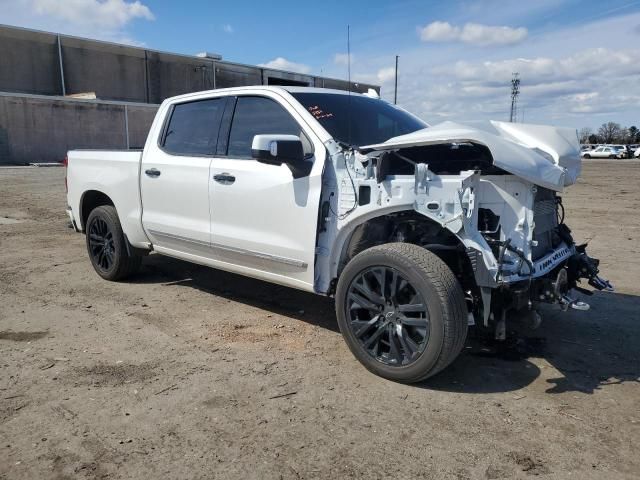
(29, 62)
(113, 72)
(41, 129)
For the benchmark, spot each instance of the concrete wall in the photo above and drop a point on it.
(30, 63)
(113, 72)
(42, 129)
(170, 75)
(140, 120)
(39, 124)
(343, 85)
(236, 75)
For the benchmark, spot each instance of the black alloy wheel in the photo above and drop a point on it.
(388, 316)
(101, 245)
(111, 256)
(401, 311)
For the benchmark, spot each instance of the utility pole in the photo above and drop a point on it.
(515, 91)
(395, 92)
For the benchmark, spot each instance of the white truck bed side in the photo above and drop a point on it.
(116, 174)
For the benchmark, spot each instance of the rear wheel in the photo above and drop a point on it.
(401, 311)
(107, 246)
(587, 156)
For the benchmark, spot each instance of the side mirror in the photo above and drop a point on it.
(278, 149)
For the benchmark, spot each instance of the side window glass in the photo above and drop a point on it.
(259, 116)
(193, 127)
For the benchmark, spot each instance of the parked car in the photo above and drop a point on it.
(623, 149)
(603, 152)
(416, 231)
(636, 154)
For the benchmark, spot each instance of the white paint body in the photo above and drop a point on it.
(265, 224)
(602, 152)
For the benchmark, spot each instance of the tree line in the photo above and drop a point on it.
(610, 132)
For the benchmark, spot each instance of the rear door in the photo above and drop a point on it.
(263, 220)
(174, 177)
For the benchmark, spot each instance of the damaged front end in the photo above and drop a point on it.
(495, 187)
(553, 267)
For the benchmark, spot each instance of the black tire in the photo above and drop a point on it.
(107, 245)
(587, 156)
(432, 281)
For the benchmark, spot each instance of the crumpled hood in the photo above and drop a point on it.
(546, 156)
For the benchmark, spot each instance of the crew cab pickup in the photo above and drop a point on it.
(418, 231)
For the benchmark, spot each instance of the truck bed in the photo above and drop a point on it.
(114, 173)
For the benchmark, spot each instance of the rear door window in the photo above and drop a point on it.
(193, 127)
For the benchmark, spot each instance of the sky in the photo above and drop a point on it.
(578, 61)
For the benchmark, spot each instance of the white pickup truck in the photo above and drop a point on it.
(417, 231)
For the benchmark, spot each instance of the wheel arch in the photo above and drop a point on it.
(90, 200)
(377, 228)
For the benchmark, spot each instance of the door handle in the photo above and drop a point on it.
(224, 178)
(152, 172)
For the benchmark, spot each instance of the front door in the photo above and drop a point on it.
(174, 178)
(262, 219)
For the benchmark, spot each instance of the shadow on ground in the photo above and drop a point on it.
(589, 349)
(289, 302)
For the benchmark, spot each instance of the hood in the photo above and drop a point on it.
(543, 155)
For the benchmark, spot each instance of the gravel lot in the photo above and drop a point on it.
(188, 372)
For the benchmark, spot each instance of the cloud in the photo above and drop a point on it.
(386, 74)
(580, 89)
(281, 63)
(106, 13)
(226, 28)
(103, 19)
(586, 63)
(472, 33)
(343, 59)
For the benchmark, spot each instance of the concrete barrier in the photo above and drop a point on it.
(43, 129)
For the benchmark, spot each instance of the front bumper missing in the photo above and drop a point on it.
(543, 265)
(552, 279)
(578, 265)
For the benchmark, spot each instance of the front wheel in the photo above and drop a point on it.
(401, 311)
(587, 156)
(107, 247)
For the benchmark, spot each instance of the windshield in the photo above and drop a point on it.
(357, 120)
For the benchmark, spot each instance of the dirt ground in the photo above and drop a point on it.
(188, 372)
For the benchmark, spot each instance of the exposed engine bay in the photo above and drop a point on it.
(486, 202)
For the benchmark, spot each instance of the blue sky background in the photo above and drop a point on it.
(579, 60)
